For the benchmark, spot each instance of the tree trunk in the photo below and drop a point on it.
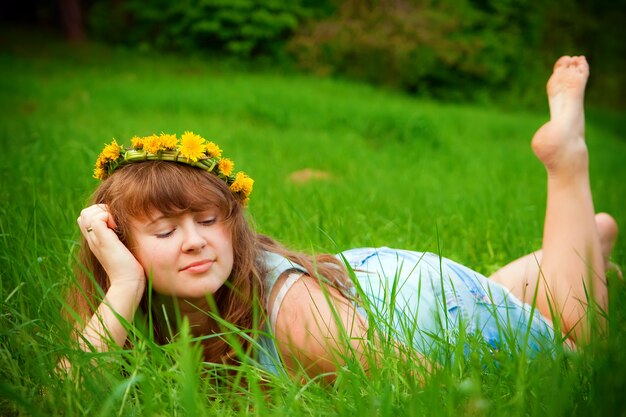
(72, 20)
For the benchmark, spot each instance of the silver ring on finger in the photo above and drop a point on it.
(89, 229)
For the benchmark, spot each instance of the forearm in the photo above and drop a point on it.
(107, 324)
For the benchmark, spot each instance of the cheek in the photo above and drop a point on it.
(227, 246)
(157, 265)
(152, 256)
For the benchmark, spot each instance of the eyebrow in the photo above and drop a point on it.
(157, 219)
(213, 212)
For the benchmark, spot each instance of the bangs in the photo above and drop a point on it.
(168, 187)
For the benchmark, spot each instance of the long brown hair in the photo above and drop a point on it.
(136, 190)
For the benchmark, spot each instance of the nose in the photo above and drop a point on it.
(193, 239)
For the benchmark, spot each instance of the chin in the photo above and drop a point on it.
(201, 289)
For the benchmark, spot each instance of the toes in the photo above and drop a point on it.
(569, 73)
(582, 65)
(562, 62)
(578, 63)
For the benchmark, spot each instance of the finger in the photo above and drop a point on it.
(110, 219)
(99, 222)
(111, 222)
(92, 218)
(89, 212)
(84, 222)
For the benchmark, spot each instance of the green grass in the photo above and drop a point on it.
(456, 179)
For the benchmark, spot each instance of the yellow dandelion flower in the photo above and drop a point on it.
(192, 146)
(225, 166)
(245, 201)
(213, 150)
(247, 185)
(111, 151)
(99, 173)
(137, 142)
(169, 141)
(152, 144)
(101, 161)
(238, 185)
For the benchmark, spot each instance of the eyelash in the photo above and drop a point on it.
(208, 222)
(164, 235)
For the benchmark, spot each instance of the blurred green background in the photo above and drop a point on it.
(449, 49)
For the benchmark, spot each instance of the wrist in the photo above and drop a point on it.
(127, 288)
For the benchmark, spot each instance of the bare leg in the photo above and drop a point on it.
(572, 268)
(521, 276)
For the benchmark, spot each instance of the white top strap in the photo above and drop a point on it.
(291, 279)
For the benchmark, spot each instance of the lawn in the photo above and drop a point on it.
(456, 179)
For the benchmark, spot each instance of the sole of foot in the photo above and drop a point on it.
(560, 143)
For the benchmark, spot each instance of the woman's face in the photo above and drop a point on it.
(186, 256)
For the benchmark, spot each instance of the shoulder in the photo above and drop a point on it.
(316, 325)
(276, 263)
(275, 266)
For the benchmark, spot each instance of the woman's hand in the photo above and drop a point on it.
(126, 278)
(98, 227)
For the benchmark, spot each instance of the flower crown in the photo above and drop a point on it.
(191, 149)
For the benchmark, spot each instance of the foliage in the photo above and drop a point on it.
(239, 27)
(456, 47)
(466, 48)
(594, 29)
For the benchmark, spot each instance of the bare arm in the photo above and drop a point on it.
(318, 329)
(126, 278)
(119, 305)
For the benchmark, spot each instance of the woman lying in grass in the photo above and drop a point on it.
(167, 232)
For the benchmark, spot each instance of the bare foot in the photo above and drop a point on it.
(560, 143)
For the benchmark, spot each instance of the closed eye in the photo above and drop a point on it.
(208, 222)
(165, 234)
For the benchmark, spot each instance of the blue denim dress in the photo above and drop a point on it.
(426, 302)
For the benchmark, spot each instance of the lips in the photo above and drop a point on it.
(198, 267)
